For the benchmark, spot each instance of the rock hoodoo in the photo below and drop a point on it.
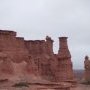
(65, 68)
(87, 69)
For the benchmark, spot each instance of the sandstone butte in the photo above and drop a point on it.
(21, 58)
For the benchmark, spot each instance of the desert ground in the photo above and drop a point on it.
(81, 87)
(33, 88)
(8, 86)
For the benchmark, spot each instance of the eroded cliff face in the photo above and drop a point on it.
(13, 46)
(41, 52)
(87, 68)
(35, 57)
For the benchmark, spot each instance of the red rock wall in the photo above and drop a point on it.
(41, 52)
(38, 55)
(13, 46)
(14, 49)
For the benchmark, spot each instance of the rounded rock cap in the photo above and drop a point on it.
(63, 37)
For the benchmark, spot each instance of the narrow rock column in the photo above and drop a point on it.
(49, 45)
(87, 69)
(63, 48)
(65, 71)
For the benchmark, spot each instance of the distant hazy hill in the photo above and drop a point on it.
(79, 74)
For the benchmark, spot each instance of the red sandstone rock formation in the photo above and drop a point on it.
(13, 46)
(38, 57)
(41, 52)
(6, 66)
(64, 67)
(87, 68)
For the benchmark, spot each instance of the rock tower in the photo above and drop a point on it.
(65, 68)
(87, 69)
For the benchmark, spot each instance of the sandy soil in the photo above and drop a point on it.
(7, 86)
(81, 87)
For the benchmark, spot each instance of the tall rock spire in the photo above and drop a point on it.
(63, 48)
(87, 69)
(64, 67)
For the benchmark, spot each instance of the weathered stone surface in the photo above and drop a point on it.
(6, 66)
(64, 67)
(35, 57)
(42, 54)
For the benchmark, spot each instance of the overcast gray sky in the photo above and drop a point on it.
(34, 19)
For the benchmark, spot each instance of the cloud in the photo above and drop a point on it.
(34, 19)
